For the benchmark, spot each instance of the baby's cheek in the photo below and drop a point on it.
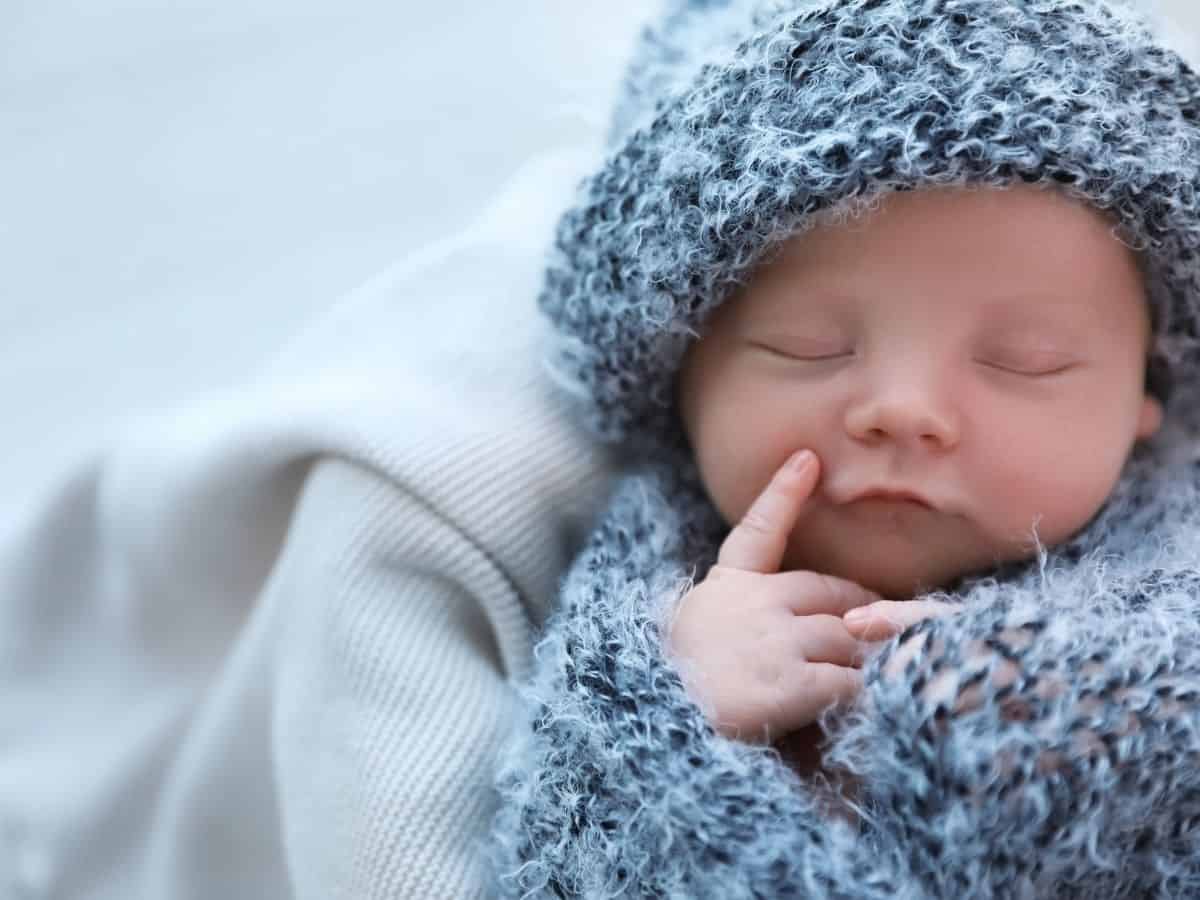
(1055, 503)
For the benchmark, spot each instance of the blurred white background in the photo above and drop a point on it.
(183, 184)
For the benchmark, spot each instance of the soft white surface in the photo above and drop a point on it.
(183, 185)
(243, 652)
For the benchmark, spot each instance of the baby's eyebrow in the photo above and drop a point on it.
(1003, 318)
(1040, 312)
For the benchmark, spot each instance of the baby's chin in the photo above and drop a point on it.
(893, 572)
(906, 585)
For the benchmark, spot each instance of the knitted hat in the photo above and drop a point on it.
(742, 121)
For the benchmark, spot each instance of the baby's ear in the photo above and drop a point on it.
(1151, 417)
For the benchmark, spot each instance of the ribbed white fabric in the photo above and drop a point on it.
(260, 648)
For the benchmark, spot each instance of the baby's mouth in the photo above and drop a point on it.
(891, 514)
(892, 495)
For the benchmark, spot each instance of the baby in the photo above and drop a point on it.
(890, 304)
(970, 368)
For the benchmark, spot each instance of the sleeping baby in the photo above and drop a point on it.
(892, 307)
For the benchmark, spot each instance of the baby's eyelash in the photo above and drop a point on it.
(1055, 371)
(774, 351)
(829, 357)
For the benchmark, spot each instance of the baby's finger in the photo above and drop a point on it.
(825, 639)
(808, 593)
(823, 685)
(885, 618)
(757, 543)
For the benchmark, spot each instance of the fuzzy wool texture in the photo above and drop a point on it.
(1042, 740)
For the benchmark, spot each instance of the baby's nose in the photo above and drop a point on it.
(904, 413)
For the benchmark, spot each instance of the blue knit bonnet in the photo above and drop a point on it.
(742, 121)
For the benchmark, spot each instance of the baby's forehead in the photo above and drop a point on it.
(1008, 253)
(836, 314)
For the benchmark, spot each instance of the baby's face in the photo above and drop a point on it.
(984, 349)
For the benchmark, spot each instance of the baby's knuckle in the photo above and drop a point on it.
(715, 574)
(767, 674)
(831, 584)
(834, 588)
(756, 522)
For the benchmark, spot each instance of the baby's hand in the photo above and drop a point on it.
(764, 652)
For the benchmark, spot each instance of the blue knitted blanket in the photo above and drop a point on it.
(1077, 778)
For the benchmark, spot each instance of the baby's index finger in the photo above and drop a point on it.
(757, 543)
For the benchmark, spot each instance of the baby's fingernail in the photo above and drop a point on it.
(799, 461)
(857, 616)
